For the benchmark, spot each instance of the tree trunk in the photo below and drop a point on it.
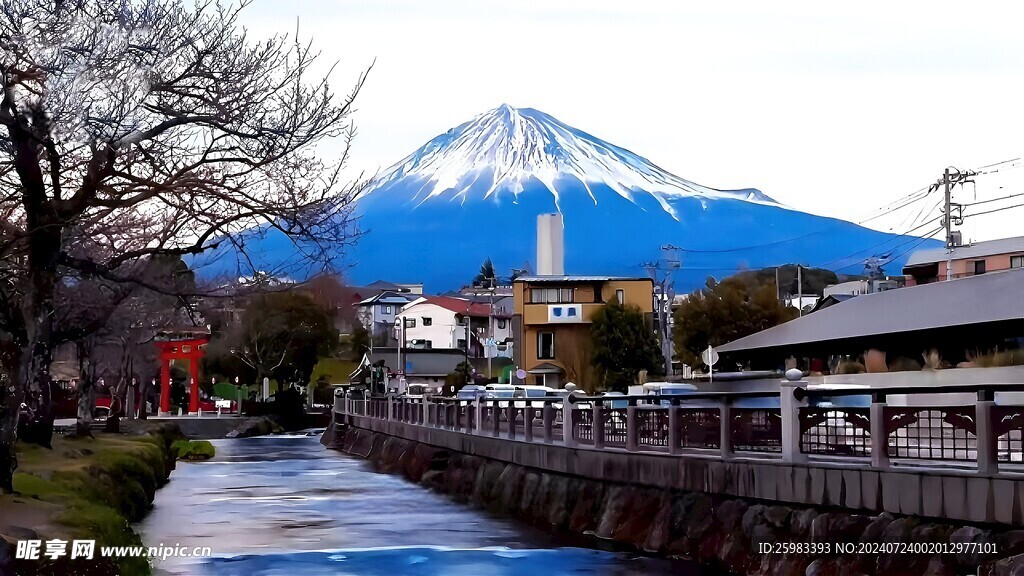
(12, 394)
(86, 396)
(32, 376)
(143, 398)
(35, 368)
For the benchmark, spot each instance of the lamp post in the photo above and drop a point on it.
(490, 326)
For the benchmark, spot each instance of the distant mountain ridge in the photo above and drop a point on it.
(475, 191)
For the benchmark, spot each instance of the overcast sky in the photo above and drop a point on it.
(832, 108)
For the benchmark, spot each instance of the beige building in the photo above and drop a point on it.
(927, 266)
(551, 321)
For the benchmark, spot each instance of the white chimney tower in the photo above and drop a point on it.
(550, 245)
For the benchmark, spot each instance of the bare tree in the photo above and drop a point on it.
(577, 358)
(136, 129)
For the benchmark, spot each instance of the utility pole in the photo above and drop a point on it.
(663, 301)
(799, 290)
(490, 328)
(778, 291)
(949, 227)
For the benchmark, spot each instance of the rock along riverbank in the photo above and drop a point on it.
(725, 533)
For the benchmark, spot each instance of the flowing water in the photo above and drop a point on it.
(286, 505)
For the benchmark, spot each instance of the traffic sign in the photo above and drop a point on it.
(521, 374)
(709, 356)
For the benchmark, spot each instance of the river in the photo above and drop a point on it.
(286, 505)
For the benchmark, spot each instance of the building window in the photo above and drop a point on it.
(551, 295)
(979, 266)
(410, 322)
(1016, 261)
(460, 343)
(387, 309)
(620, 295)
(501, 323)
(545, 345)
(428, 321)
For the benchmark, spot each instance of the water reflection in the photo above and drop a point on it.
(285, 505)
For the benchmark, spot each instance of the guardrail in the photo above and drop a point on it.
(795, 424)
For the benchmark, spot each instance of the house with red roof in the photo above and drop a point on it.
(452, 323)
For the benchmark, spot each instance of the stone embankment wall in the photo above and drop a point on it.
(723, 532)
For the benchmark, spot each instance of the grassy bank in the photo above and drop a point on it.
(89, 489)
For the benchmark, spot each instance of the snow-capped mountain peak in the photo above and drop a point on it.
(498, 153)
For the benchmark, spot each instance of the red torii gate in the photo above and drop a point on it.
(189, 348)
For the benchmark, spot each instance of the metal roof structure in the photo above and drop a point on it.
(985, 299)
(389, 297)
(975, 250)
(545, 368)
(832, 300)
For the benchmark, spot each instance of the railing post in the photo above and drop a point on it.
(568, 431)
(511, 417)
(457, 420)
(725, 429)
(674, 443)
(528, 422)
(478, 416)
(879, 435)
(597, 425)
(495, 419)
(790, 412)
(631, 427)
(988, 456)
(549, 422)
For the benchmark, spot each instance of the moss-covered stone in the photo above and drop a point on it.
(96, 488)
(193, 449)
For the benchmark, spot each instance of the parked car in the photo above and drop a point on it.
(525, 391)
(419, 391)
(470, 393)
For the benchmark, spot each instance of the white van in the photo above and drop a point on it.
(668, 389)
(524, 391)
(499, 391)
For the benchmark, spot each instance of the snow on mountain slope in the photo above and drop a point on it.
(475, 191)
(500, 152)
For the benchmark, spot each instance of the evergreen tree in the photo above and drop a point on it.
(486, 276)
(623, 345)
(723, 312)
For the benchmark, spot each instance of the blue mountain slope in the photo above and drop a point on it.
(475, 192)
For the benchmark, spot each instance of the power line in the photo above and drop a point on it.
(889, 208)
(1014, 163)
(920, 241)
(994, 210)
(870, 248)
(775, 243)
(993, 199)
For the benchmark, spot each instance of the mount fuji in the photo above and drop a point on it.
(475, 191)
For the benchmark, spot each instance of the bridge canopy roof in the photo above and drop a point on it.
(951, 313)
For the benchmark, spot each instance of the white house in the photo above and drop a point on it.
(858, 287)
(441, 322)
(378, 313)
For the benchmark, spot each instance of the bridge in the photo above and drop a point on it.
(952, 451)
